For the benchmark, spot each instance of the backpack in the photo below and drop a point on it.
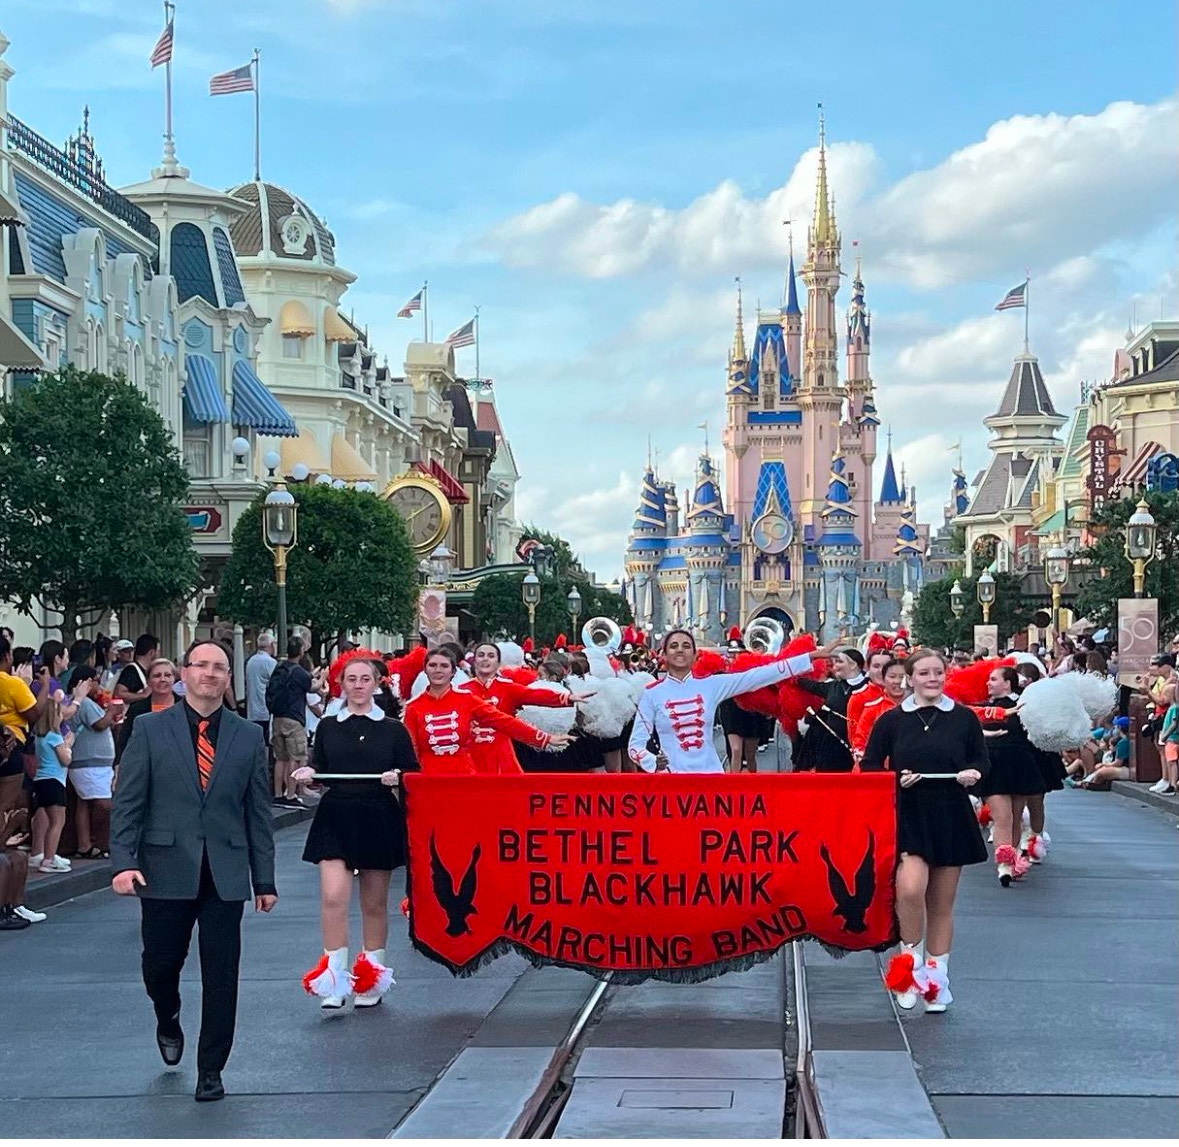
(276, 686)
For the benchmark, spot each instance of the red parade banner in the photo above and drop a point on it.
(672, 877)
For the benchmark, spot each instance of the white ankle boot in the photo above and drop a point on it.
(371, 973)
(906, 975)
(938, 968)
(330, 979)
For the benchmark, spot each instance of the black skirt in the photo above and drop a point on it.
(741, 722)
(1014, 770)
(1051, 770)
(936, 821)
(366, 830)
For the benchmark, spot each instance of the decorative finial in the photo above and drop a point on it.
(823, 226)
(739, 335)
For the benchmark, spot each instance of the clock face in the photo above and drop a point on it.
(425, 512)
(772, 533)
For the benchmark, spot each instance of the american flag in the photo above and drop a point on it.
(464, 336)
(1016, 297)
(162, 52)
(414, 304)
(239, 80)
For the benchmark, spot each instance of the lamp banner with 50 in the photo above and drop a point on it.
(671, 877)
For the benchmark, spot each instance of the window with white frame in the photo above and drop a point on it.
(292, 346)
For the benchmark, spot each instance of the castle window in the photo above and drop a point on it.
(292, 346)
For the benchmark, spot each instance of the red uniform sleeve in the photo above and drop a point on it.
(412, 721)
(520, 695)
(518, 730)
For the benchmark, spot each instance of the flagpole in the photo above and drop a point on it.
(169, 16)
(426, 311)
(257, 116)
(1027, 306)
(477, 374)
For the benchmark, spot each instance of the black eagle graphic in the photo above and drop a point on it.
(457, 904)
(852, 906)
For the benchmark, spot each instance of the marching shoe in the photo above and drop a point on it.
(938, 996)
(170, 1041)
(906, 976)
(28, 914)
(371, 978)
(329, 979)
(209, 1087)
(10, 921)
(1005, 858)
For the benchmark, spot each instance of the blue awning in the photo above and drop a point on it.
(203, 401)
(254, 405)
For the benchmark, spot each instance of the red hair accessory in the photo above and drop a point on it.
(336, 670)
(562, 641)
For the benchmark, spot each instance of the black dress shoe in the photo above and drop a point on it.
(209, 1087)
(170, 1043)
(10, 921)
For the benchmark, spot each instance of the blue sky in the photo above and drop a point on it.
(594, 175)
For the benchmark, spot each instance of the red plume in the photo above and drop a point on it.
(878, 643)
(735, 633)
(562, 641)
(528, 645)
(903, 633)
(967, 684)
(405, 670)
(708, 663)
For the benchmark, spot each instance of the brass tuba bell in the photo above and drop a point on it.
(764, 635)
(601, 633)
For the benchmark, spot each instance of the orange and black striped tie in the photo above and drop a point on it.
(204, 753)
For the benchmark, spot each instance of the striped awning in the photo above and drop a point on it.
(9, 211)
(347, 463)
(1135, 474)
(335, 330)
(254, 405)
(203, 400)
(451, 486)
(16, 352)
(295, 319)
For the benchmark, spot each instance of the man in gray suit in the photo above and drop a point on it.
(191, 831)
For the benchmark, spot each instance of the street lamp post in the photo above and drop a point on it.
(957, 600)
(985, 588)
(531, 590)
(1056, 575)
(573, 605)
(1141, 532)
(280, 534)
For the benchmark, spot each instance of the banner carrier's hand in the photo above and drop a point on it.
(124, 883)
(391, 778)
(303, 774)
(909, 779)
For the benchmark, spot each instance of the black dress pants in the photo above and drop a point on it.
(167, 930)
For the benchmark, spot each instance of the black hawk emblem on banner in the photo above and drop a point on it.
(849, 904)
(458, 903)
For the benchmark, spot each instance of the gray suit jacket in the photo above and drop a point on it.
(162, 823)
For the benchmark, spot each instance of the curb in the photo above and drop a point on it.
(54, 890)
(1135, 791)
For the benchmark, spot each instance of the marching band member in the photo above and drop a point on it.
(743, 729)
(825, 747)
(492, 751)
(358, 827)
(1051, 763)
(681, 709)
(872, 691)
(937, 832)
(894, 686)
(441, 721)
(1014, 774)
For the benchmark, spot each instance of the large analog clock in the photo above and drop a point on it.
(772, 533)
(424, 507)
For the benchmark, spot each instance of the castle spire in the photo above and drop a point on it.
(739, 336)
(890, 492)
(791, 307)
(824, 226)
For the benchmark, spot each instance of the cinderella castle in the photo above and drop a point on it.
(797, 534)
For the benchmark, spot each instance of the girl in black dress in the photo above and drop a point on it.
(359, 828)
(937, 831)
(1014, 774)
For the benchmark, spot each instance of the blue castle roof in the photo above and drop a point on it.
(960, 495)
(890, 490)
(868, 412)
(792, 307)
(652, 511)
(772, 486)
(908, 541)
(706, 498)
(769, 352)
(839, 518)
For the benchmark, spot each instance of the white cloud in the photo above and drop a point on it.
(1037, 189)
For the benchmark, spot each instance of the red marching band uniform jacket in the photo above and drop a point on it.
(492, 750)
(443, 731)
(867, 714)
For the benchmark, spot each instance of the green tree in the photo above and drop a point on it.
(1111, 573)
(934, 622)
(91, 501)
(353, 567)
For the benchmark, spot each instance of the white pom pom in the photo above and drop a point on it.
(638, 683)
(599, 662)
(511, 656)
(1052, 714)
(545, 719)
(1098, 694)
(606, 713)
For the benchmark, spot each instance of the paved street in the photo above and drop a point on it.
(78, 1055)
(1066, 1014)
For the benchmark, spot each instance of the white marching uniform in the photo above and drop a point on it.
(682, 712)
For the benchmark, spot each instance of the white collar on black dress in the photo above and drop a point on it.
(909, 704)
(856, 681)
(376, 713)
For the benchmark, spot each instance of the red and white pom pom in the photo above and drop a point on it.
(370, 976)
(1006, 854)
(1037, 848)
(324, 980)
(937, 981)
(984, 815)
(904, 974)
(1021, 867)
(405, 907)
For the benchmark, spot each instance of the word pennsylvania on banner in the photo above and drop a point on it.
(669, 877)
